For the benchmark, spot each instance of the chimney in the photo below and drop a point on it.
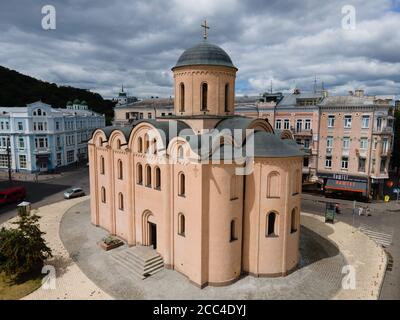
(359, 93)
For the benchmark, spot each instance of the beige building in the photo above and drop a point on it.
(178, 184)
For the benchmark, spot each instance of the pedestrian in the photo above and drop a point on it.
(337, 208)
(360, 211)
(368, 211)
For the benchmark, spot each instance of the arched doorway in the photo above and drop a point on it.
(149, 230)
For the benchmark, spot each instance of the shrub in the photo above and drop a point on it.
(23, 249)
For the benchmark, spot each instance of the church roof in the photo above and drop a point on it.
(204, 53)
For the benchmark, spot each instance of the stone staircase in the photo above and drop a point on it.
(139, 260)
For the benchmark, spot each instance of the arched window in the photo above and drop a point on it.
(181, 224)
(34, 113)
(146, 143)
(273, 185)
(140, 145)
(121, 201)
(102, 169)
(180, 152)
(118, 144)
(182, 97)
(39, 112)
(293, 221)
(155, 146)
(120, 169)
(181, 184)
(271, 228)
(139, 174)
(226, 98)
(204, 95)
(296, 182)
(148, 176)
(103, 194)
(233, 231)
(158, 178)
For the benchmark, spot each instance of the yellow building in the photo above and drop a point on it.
(179, 184)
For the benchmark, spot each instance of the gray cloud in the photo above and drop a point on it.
(101, 44)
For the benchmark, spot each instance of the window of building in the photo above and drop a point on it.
(347, 122)
(345, 163)
(204, 96)
(120, 170)
(21, 143)
(307, 124)
(102, 165)
(329, 144)
(226, 100)
(286, 124)
(146, 143)
(20, 126)
(139, 174)
(331, 121)
(41, 142)
(293, 221)
(361, 164)
(383, 166)
(365, 122)
(364, 143)
(59, 161)
(3, 161)
(233, 231)
(234, 187)
(271, 229)
(182, 97)
(273, 185)
(70, 156)
(306, 162)
(140, 145)
(39, 112)
(306, 143)
(103, 194)
(278, 124)
(22, 161)
(328, 162)
(181, 184)
(346, 143)
(158, 178)
(181, 224)
(379, 124)
(148, 176)
(149, 116)
(121, 201)
(385, 145)
(180, 152)
(299, 125)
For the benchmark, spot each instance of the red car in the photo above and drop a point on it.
(12, 195)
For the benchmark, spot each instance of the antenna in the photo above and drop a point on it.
(271, 86)
(315, 84)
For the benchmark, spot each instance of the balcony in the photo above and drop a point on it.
(42, 150)
(345, 152)
(383, 130)
(302, 132)
(329, 151)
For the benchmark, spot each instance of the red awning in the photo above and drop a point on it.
(353, 186)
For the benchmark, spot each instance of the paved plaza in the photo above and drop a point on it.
(85, 271)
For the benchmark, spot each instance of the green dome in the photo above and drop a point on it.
(69, 103)
(76, 101)
(84, 103)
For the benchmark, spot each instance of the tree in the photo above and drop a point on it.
(23, 249)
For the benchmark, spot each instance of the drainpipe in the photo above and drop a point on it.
(370, 152)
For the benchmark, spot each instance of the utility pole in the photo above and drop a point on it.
(9, 160)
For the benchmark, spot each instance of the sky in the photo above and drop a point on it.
(101, 44)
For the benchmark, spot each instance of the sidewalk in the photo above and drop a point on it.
(71, 283)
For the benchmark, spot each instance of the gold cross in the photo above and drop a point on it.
(205, 29)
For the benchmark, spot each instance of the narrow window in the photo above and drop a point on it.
(204, 94)
(103, 194)
(158, 178)
(139, 174)
(102, 165)
(148, 176)
(181, 224)
(271, 220)
(121, 201)
(293, 224)
(233, 231)
(140, 145)
(146, 143)
(273, 185)
(181, 187)
(234, 187)
(120, 170)
(180, 152)
(155, 146)
(227, 97)
(182, 98)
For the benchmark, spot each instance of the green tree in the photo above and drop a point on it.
(23, 249)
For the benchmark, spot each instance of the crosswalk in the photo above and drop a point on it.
(381, 238)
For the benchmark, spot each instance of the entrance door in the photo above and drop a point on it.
(43, 167)
(153, 234)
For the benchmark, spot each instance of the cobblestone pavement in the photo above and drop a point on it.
(325, 250)
(71, 283)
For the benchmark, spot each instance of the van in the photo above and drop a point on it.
(12, 195)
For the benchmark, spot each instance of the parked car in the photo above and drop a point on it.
(11, 195)
(74, 193)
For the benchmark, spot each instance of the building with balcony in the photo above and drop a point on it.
(41, 138)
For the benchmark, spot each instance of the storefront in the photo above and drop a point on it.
(343, 184)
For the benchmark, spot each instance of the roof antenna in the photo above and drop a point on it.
(271, 86)
(315, 84)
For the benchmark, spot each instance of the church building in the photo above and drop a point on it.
(179, 185)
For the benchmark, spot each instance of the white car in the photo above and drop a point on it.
(74, 193)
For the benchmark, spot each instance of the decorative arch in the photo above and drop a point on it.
(287, 134)
(147, 217)
(98, 138)
(274, 185)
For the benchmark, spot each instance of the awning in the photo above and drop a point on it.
(353, 186)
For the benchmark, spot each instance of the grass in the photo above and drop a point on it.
(14, 290)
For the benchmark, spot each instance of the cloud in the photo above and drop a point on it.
(99, 45)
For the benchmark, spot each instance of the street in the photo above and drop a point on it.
(381, 226)
(46, 192)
